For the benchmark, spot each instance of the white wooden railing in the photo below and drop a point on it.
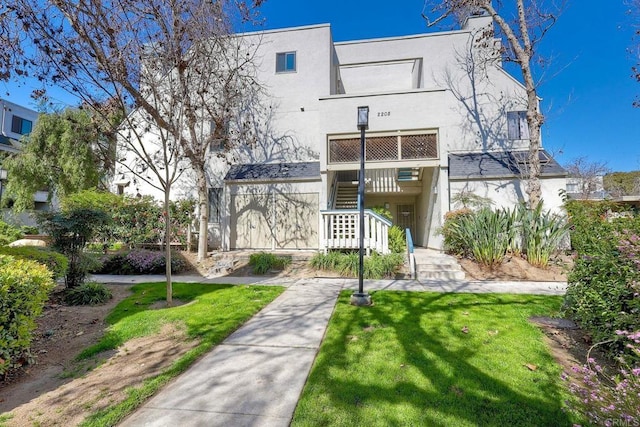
(341, 230)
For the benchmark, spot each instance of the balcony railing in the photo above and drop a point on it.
(341, 230)
(384, 148)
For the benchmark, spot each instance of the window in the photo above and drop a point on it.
(285, 62)
(517, 127)
(21, 126)
(215, 204)
(218, 136)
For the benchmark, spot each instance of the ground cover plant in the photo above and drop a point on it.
(263, 262)
(138, 261)
(209, 313)
(435, 359)
(376, 266)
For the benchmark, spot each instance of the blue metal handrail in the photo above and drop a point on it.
(410, 254)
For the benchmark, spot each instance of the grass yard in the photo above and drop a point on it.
(427, 359)
(213, 313)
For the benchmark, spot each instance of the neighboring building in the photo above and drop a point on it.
(17, 122)
(445, 117)
(591, 188)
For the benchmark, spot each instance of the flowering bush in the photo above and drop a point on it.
(603, 295)
(140, 261)
(604, 400)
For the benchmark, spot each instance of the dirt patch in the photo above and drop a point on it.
(57, 390)
(516, 268)
(569, 345)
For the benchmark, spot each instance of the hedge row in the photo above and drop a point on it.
(24, 288)
(54, 261)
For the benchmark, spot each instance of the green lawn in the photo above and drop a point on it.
(407, 362)
(215, 312)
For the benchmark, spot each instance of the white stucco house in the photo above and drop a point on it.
(444, 117)
(17, 122)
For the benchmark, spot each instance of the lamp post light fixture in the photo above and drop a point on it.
(361, 298)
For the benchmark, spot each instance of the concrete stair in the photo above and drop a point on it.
(432, 264)
(346, 196)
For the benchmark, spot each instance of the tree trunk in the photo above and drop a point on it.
(167, 245)
(203, 203)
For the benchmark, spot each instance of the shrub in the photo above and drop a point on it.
(487, 236)
(603, 293)
(347, 264)
(540, 233)
(263, 262)
(70, 232)
(54, 261)
(9, 233)
(140, 261)
(601, 398)
(453, 243)
(397, 240)
(24, 287)
(89, 293)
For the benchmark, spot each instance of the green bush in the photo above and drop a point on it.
(70, 232)
(347, 264)
(9, 233)
(487, 235)
(24, 288)
(397, 240)
(603, 287)
(263, 262)
(89, 293)
(139, 261)
(54, 261)
(134, 220)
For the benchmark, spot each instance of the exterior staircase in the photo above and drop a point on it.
(346, 196)
(436, 265)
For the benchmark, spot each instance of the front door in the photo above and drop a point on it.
(406, 218)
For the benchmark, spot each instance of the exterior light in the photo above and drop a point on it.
(363, 118)
(361, 298)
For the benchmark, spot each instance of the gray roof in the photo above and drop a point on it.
(499, 165)
(274, 172)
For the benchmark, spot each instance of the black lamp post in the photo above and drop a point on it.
(361, 298)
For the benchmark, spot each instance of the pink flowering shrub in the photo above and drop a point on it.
(140, 261)
(604, 400)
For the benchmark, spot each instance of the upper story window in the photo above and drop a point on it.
(21, 126)
(517, 126)
(285, 62)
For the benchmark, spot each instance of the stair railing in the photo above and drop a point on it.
(340, 230)
(410, 254)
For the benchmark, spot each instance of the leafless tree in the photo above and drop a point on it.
(587, 174)
(522, 24)
(173, 65)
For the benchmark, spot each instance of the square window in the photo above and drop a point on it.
(517, 127)
(21, 126)
(215, 204)
(285, 62)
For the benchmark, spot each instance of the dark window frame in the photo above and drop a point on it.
(286, 62)
(215, 204)
(21, 125)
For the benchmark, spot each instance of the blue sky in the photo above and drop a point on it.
(587, 96)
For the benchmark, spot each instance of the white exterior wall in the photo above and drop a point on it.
(7, 111)
(505, 193)
(414, 83)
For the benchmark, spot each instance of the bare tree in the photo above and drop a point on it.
(175, 64)
(588, 175)
(151, 58)
(522, 24)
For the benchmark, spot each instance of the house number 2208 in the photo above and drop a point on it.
(384, 113)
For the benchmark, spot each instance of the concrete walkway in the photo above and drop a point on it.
(255, 377)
